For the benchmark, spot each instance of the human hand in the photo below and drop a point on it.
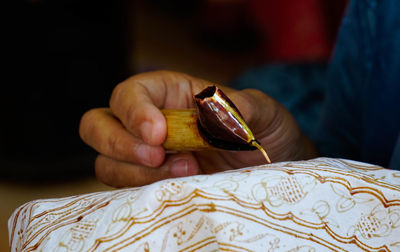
(129, 134)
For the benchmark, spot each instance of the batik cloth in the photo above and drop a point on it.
(316, 205)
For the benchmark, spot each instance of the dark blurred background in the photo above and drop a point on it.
(67, 55)
(64, 57)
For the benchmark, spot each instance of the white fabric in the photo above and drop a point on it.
(317, 205)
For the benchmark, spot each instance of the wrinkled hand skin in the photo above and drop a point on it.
(128, 135)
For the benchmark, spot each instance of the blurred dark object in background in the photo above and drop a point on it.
(297, 31)
(283, 31)
(227, 26)
(221, 26)
(65, 58)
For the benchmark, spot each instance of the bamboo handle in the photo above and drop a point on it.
(183, 133)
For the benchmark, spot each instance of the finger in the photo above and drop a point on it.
(103, 132)
(136, 101)
(122, 174)
(138, 114)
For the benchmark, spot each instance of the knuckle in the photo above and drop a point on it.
(86, 124)
(255, 94)
(112, 145)
(131, 118)
(116, 93)
(127, 113)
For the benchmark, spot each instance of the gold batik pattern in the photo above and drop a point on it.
(316, 205)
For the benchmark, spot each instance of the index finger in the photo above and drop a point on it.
(138, 100)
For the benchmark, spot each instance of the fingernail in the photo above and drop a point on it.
(179, 168)
(146, 131)
(143, 153)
